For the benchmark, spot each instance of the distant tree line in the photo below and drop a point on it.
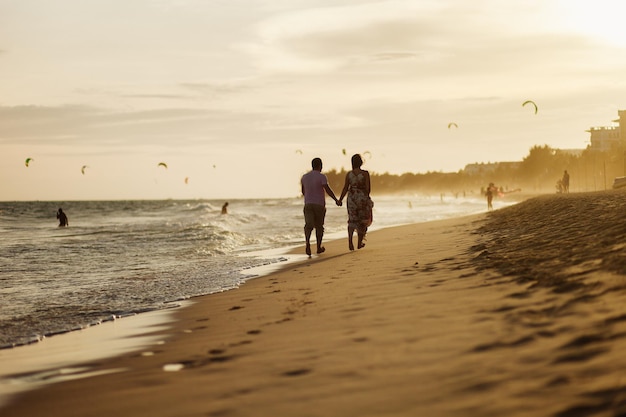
(538, 172)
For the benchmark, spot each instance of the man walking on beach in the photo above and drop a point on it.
(314, 184)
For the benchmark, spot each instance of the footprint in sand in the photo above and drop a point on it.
(220, 359)
(559, 380)
(297, 372)
(243, 342)
(360, 339)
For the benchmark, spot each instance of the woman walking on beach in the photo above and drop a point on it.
(357, 187)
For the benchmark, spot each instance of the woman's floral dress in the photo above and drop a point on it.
(359, 203)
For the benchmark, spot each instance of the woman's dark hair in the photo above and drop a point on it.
(357, 161)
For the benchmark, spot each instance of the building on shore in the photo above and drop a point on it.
(489, 167)
(606, 138)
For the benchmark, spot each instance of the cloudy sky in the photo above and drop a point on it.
(237, 96)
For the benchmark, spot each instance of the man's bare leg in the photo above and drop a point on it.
(319, 234)
(307, 237)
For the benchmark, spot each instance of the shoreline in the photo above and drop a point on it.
(520, 311)
(32, 366)
(277, 307)
(32, 326)
(62, 357)
(133, 324)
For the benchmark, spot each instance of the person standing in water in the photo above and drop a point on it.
(357, 187)
(63, 222)
(491, 189)
(314, 184)
(225, 208)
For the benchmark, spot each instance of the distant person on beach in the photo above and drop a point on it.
(357, 187)
(314, 184)
(489, 193)
(62, 218)
(225, 208)
(565, 182)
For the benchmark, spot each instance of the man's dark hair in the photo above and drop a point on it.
(316, 163)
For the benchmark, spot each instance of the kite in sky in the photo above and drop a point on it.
(452, 124)
(162, 164)
(82, 170)
(530, 102)
(28, 160)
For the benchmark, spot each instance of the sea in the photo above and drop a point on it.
(121, 258)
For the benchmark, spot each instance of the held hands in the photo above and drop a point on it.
(338, 202)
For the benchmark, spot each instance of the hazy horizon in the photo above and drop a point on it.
(238, 96)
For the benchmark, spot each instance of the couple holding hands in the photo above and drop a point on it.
(356, 187)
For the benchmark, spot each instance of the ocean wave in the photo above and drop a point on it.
(202, 207)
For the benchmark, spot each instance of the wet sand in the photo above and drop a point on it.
(58, 358)
(518, 312)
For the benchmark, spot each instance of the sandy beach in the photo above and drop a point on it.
(516, 312)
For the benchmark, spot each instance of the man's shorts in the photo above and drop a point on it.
(314, 217)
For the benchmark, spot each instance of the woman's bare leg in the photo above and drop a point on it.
(361, 234)
(350, 234)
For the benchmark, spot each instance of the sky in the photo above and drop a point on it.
(237, 96)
